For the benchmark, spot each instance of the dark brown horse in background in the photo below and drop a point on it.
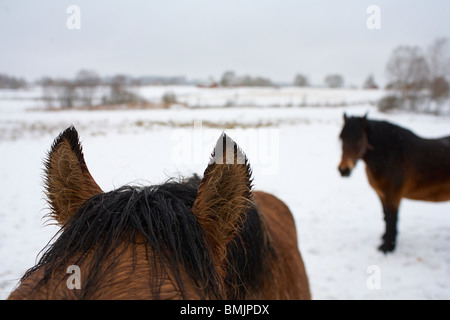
(209, 238)
(399, 164)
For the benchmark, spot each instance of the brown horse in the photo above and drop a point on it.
(399, 164)
(209, 238)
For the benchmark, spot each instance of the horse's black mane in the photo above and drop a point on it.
(378, 133)
(384, 130)
(162, 215)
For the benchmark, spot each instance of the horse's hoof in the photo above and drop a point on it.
(387, 247)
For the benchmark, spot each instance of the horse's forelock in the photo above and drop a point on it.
(159, 214)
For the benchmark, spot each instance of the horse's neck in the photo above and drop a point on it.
(389, 143)
(380, 137)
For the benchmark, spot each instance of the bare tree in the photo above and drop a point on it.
(66, 92)
(407, 70)
(87, 81)
(370, 83)
(417, 78)
(439, 67)
(334, 81)
(439, 88)
(228, 79)
(169, 98)
(118, 89)
(259, 81)
(439, 58)
(11, 82)
(48, 85)
(301, 81)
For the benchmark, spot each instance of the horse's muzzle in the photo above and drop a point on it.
(345, 172)
(346, 166)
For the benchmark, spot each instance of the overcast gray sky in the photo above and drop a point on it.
(202, 38)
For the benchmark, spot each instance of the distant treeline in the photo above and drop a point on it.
(10, 82)
(89, 89)
(418, 80)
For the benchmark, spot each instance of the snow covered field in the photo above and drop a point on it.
(294, 152)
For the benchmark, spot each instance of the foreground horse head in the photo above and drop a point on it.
(209, 238)
(354, 143)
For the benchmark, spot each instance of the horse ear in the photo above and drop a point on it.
(68, 183)
(224, 195)
(345, 117)
(363, 120)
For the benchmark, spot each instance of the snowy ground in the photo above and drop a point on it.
(294, 152)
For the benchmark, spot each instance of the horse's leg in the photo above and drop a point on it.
(390, 209)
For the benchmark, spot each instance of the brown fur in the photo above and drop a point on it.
(123, 282)
(290, 280)
(221, 206)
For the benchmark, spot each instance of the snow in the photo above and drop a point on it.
(294, 152)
